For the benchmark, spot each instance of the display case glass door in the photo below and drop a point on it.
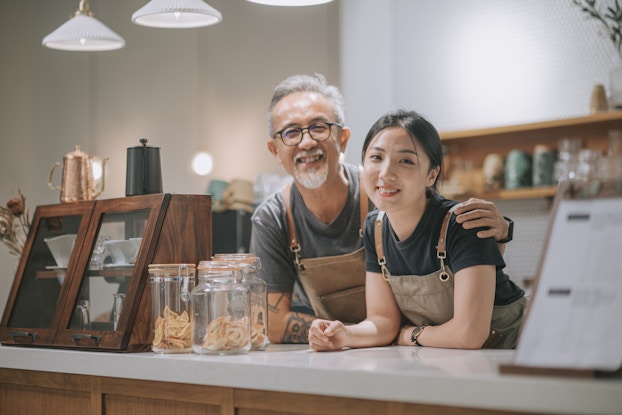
(48, 261)
(112, 276)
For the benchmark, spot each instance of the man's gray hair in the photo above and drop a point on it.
(307, 83)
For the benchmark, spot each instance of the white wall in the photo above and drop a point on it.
(469, 64)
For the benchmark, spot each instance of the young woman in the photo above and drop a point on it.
(429, 281)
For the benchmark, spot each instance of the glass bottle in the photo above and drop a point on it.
(170, 306)
(221, 309)
(258, 291)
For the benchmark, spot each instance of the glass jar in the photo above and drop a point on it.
(170, 306)
(221, 308)
(258, 291)
(567, 165)
(587, 168)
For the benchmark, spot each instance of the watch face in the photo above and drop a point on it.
(415, 333)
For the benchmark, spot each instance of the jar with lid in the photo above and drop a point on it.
(258, 291)
(587, 168)
(171, 320)
(221, 308)
(567, 164)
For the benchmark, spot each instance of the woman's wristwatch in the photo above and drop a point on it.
(416, 333)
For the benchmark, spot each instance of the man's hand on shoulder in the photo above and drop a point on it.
(476, 213)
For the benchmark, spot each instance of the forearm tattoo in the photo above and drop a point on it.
(297, 326)
(274, 308)
(297, 329)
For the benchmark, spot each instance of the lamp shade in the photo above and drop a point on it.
(176, 14)
(83, 33)
(291, 2)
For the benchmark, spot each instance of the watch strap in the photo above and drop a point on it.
(510, 232)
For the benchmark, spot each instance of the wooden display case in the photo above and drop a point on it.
(72, 306)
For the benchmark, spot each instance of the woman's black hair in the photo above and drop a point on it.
(419, 129)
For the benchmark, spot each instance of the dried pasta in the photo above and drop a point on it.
(224, 334)
(172, 331)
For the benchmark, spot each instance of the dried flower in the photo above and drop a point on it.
(14, 224)
(16, 206)
(610, 18)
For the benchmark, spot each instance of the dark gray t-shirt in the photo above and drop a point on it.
(270, 237)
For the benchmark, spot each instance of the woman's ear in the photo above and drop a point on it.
(433, 175)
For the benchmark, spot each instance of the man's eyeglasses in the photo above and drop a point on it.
(319, 131)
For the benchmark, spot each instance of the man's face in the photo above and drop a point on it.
(310, 162)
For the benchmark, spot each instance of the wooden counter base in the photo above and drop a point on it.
(32, 392)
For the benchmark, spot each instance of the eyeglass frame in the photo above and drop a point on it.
(302, 132)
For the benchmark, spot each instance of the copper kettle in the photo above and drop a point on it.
(78, 183)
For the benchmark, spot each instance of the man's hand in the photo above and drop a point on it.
(476, 213)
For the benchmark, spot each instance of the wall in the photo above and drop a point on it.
(469, 64)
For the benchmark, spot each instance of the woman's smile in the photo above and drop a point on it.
(387, 191)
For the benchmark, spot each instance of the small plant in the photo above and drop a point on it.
(609, 16)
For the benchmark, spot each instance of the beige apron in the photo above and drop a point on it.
(429, 299)
(335, 285)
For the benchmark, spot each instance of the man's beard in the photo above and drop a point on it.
(311, 178)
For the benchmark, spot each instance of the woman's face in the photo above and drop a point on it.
(396, 171)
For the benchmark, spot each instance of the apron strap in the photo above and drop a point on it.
(441, 248)
(294, 246)
(363, 201)
(382, 261)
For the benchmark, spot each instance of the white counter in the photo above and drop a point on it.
(464, 378)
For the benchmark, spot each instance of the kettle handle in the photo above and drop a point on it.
(50, 185)
(103, 178)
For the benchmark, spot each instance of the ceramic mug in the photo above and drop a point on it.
(517, 169)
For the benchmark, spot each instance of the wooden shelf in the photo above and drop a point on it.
(515, 194)
(474, 145)
(595, 121)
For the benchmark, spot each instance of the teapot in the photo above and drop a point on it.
(78, 183)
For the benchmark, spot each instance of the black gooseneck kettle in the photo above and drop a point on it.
(144, 170)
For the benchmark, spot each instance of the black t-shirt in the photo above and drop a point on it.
(416, 255)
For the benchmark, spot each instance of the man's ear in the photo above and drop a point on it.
(343, 138)
(272, 149)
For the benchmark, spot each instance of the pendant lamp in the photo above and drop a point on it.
(83, 32)
(176, 14)
(291, 2)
